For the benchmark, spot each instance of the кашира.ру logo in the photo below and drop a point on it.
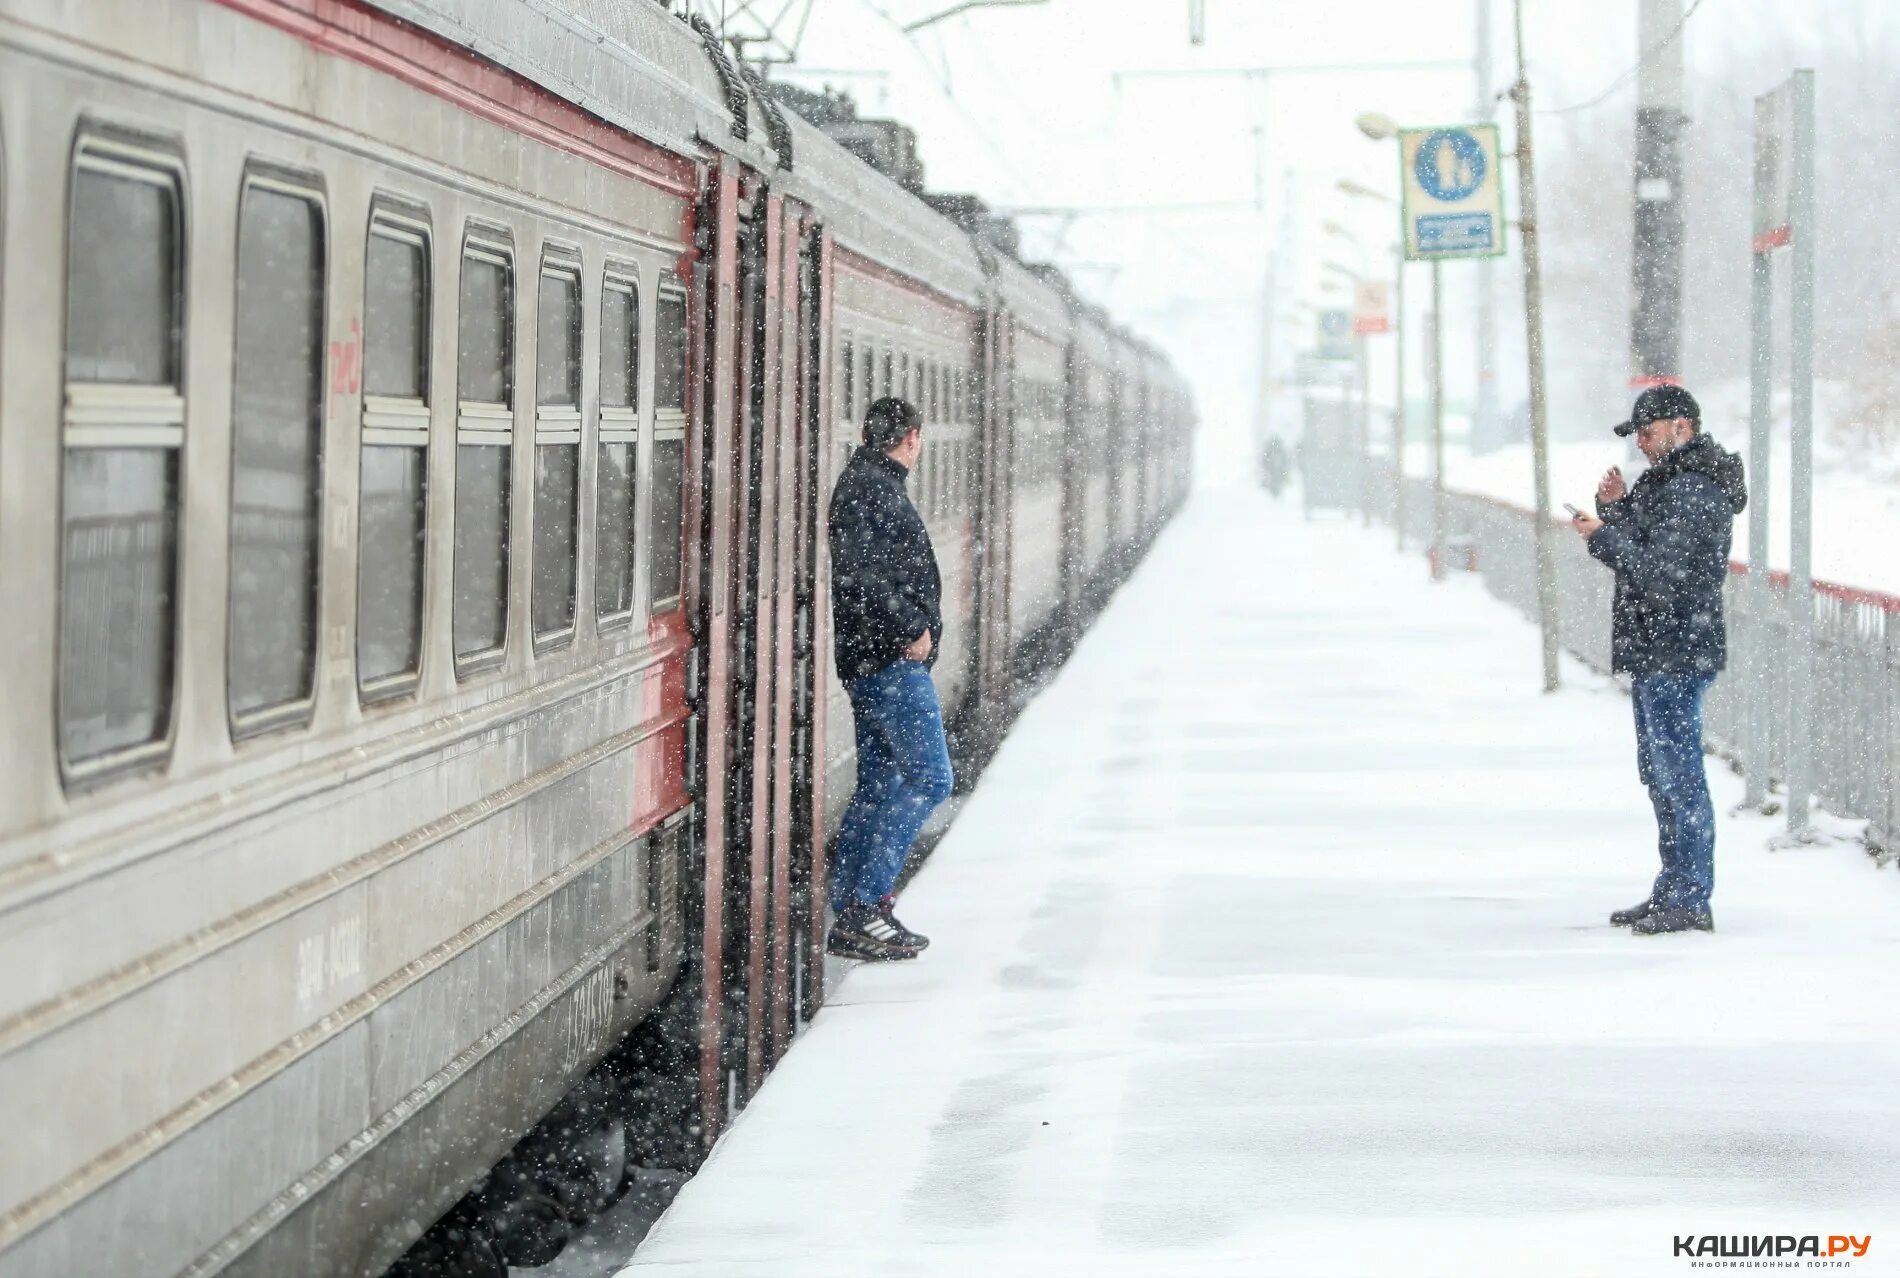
(1772, 1246)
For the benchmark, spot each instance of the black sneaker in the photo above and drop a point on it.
(1623, 918)
(1673, 919)
(904, 936)
(861, 933)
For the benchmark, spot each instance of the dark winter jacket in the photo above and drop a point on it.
(885, 590)
(1668, 542)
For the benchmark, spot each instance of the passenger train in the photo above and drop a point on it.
(416, 424)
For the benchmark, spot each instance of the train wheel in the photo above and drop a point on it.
(455, 1248)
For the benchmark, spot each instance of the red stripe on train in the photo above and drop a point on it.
(352, 30)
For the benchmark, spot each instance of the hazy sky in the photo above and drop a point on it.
(1040, 105)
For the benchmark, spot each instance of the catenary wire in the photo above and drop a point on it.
(1624, 79)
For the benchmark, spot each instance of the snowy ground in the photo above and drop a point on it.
(1274, 943)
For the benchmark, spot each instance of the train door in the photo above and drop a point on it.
(769, 458)
(810, 629)
(713, 356)
(745, 782)
(995, 451)
(781, 461)
(1075, 489)
(1115, 445)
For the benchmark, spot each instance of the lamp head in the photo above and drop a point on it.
(1377, 126)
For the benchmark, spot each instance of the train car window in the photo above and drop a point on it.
(276, 453)
(557, 450)
(396, 309)
(669, 476)
(392, 498)
(667, 503)
(615, 540)
(484, 444)
(670, 351)
(847, 389)
(123, 428)
(619, 343)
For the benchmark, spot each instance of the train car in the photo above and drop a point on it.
(343, 816)
(1033, 406)
(906, 297)
(416, 423)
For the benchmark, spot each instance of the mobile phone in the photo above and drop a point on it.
(1574, 512)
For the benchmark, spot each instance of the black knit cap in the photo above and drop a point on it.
(1660, 404)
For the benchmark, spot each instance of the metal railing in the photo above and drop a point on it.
(1855, 734)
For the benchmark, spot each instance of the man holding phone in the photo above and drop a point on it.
(1667, 540)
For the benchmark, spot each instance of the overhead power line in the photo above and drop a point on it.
(1624, 79)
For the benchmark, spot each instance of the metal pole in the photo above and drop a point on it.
(1365, 432)
(1801, 463)
(1534, 334)
(1484, 409)
(1263, 390)
(1758, 668)
(1656, 262)
(1437, 332)
(1398, 409)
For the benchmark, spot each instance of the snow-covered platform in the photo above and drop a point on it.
(1273, 942)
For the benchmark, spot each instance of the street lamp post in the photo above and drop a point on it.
(1531, 236)
(1437, 332)
(1398, 394)
(1362, 376)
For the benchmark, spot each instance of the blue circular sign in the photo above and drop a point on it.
(1450, 165)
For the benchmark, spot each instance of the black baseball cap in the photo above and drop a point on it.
(1660, 404)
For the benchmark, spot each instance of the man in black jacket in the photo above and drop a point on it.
(1668, 543)
(887, 620)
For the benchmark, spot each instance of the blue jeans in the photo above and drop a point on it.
(1670, 761)
(903, 774)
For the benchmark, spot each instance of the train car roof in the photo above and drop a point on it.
(1033, 299)
(642, 69)
(875, 217)
(582, 50)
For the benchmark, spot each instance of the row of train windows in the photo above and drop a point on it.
(125, 427)
(1039, 430)
(1038, 452)
(940, 486)
(939, 391)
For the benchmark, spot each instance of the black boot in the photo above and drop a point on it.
(1623, 918)
(1674, 919)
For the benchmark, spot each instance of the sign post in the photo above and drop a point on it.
(1398, 397)
(1784, 219)
(1368, 318)
(1452, 207)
